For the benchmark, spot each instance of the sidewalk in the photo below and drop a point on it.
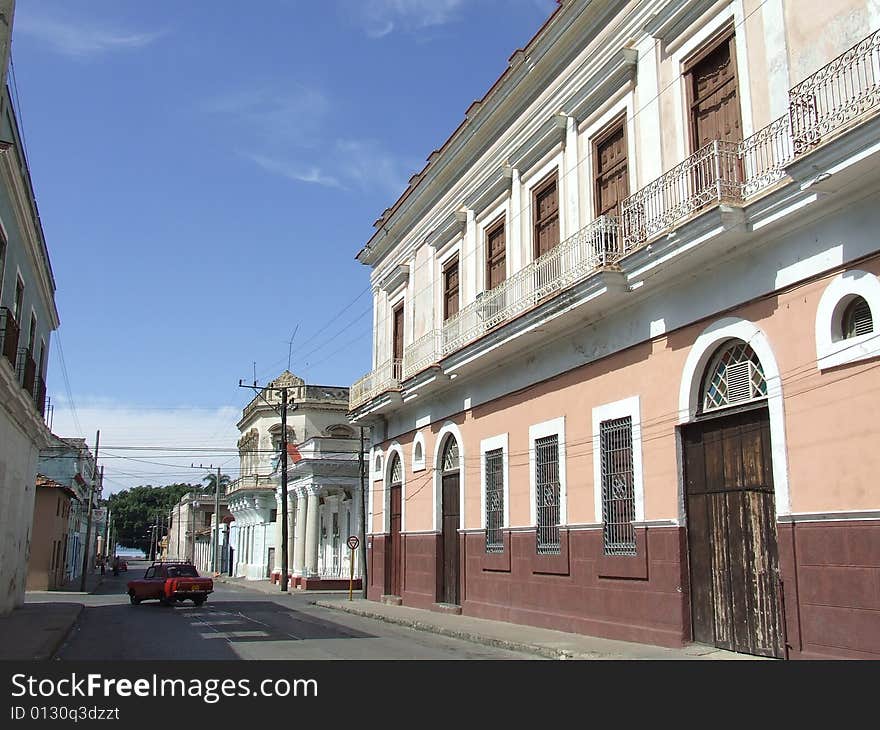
(529, 639)
(36, 630)
(266, 586)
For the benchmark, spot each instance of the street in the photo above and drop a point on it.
(238, 623)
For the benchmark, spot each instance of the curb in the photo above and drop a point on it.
(542, 651)
(59, 642)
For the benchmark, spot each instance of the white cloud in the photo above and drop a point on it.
(78, 39)
(381, 17)
(367, 165)
(309, 174)
(209, 432)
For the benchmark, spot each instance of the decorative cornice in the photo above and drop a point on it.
(396, 278)
(675, 17)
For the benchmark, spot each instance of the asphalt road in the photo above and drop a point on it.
(238, 623)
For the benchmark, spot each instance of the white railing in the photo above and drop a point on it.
(764, 156)
(710, 175)
(422, 353)
(385, 377)
(593, 247)
(837, 94)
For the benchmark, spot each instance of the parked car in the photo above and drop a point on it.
(170, 583)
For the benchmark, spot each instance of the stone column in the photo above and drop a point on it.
(299, 534)
(312, 527)
(291, 520)
(276, 568)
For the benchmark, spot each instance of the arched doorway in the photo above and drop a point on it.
(395, 517)
(730, 504)
(451, 517)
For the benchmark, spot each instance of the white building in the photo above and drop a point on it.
(323, 486)
(191, 527)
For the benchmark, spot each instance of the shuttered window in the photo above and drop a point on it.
(494, 501)
(496, 255)
(857, 319)
(546, 210)
(618, 493)
(735, 376)
(450, 289)
(547, 494)
(713, 93)
(611, 179)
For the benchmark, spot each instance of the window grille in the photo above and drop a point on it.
(547, 494)
(618, 494)
(735, 377)
(450, 455)
(857, 319)
(494, 501)
(396, 470)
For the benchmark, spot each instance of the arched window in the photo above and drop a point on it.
(857, 319)
(418, 454)
(396, 470)
(734, 376)
(450, 455)
(378, 468)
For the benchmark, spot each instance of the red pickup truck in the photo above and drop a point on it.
(170, 582)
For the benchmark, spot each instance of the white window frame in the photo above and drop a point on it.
(441, 258)
(491, 444)
(418, 464)
(487, 220)
(832, 349)
(530, 181)
(394, 448)
(553, 427)
(627, 407)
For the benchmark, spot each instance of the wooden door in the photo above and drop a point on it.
(270, 563)
(731, 530)
(450, 289)
(546, 207)
(395, 516)
(611, 172)
(451, 521)
(496, 255)
(398, 333)
(714, 97)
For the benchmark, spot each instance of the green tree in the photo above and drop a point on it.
(135, 510)
(211, 485)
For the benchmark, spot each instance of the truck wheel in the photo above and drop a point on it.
(199, 601)
(166, 601)
(133, 598)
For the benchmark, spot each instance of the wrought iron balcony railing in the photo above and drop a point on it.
(250, 482)
(27, 371)
(836, 97)
(40, 395)
(9, 334)
(384, 378)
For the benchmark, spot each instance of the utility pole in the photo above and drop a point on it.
(363, 525)
(283, 516)
(85, 563)
(106, 529)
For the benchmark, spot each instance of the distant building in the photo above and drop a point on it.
(27, 318)
(191, 526)
(46, 567)
(323, 486)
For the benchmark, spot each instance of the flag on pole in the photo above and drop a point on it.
(293, 453)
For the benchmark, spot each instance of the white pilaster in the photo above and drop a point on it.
(299, 535)
(312, 528)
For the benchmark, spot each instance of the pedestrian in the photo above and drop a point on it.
(103, 560)
(115, 565)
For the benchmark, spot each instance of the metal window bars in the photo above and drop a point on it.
(547, 494)
(494, 501)
(618, 494)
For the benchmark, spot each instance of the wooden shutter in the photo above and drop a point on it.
(546, 207)
(450, 289)
(713, 94)
(398, 332)
(611, 176)
(496, 255)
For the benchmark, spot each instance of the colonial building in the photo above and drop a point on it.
(323, 486)
(70, 463)
(27, 318)
(625, 344)
(192, 523)
(46, 567)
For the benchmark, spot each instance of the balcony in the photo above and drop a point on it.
(384, 378)
(251, 482)
(834, 99)
(9, 331)
(26, 370)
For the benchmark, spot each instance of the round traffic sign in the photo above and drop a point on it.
(353, 542)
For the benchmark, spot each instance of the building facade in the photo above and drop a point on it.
(324, 498)
(28, 316)
(192, 524)
(625, 339)
(70, 463)
(52, 503)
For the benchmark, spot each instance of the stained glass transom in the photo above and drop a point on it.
(396, 470)
(736, 377)
(450, 455)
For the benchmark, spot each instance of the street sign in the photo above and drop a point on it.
(353, 542)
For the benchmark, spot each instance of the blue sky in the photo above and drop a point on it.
(206, 172)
